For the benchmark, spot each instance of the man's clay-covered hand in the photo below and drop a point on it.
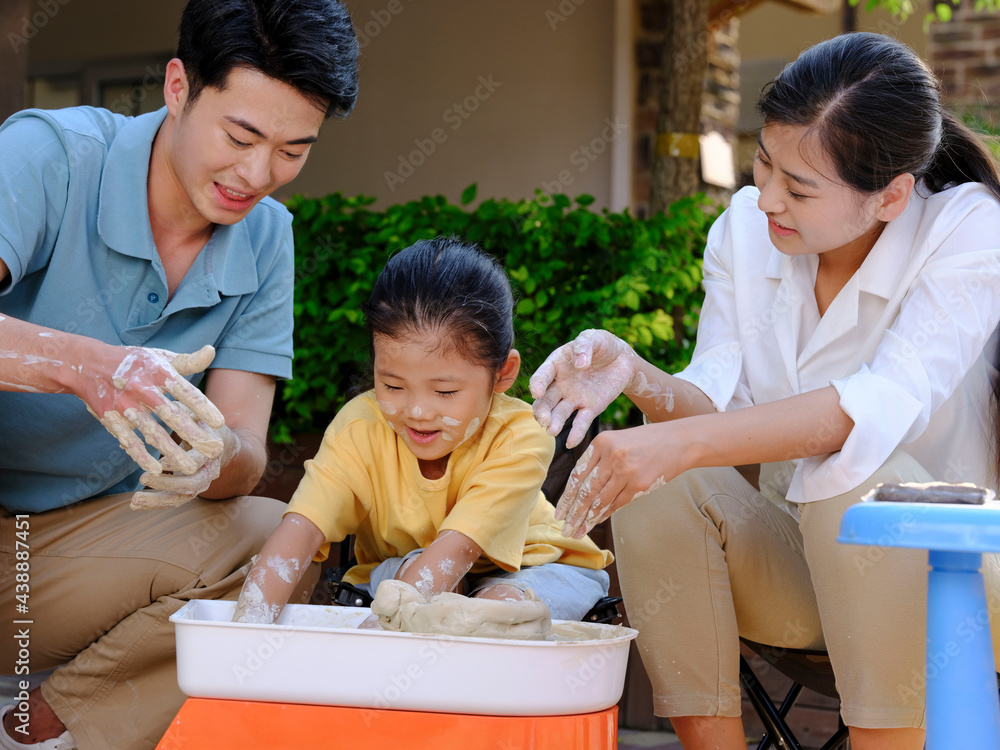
(173, 487)
(139, 388)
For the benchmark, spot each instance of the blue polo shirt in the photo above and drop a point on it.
(75, 234)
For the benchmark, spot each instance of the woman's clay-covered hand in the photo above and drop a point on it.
(124, 391)
(173, 487)
(618, 467)
(585, 375)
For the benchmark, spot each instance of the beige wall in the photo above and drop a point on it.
(547, 93)
(510, 99)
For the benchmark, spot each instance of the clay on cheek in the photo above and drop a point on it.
(387, 408)
(471, 429)
(450, 422)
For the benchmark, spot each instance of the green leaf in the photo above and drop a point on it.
(574, 268)
(584, 200)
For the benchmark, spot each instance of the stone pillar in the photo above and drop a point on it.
(14, 16)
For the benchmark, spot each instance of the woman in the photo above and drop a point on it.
(846, 339)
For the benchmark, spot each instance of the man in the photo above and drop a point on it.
(122, 242)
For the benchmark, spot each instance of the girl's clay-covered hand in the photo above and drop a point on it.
(585, 375)
(138, 389)
(618, 467)
(172, 487)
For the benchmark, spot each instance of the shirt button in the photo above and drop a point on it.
(153, 297)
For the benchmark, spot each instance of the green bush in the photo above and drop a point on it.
(571, 269)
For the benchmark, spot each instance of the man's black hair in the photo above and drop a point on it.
(308, 44)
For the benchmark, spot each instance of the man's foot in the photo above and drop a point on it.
(43, 733)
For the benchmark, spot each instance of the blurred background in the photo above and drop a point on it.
(637, 104)
(523, 95)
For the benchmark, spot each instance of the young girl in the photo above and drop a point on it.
(436, 471)
(847, 338)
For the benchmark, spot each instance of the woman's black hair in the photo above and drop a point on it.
(308, 44)
(875, 108)
(447, 286)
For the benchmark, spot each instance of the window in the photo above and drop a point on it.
(126, 87)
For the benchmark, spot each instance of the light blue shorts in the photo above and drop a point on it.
(568, 591)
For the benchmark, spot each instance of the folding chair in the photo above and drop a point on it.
(811, 669)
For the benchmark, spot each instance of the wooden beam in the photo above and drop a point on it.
(723, 10)
(14, 18)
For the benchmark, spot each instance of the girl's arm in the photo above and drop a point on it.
(443, 564)
(279, 566)
(622, 465)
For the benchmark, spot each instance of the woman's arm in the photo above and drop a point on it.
(621, 465)
(443, 564)
(279, 566)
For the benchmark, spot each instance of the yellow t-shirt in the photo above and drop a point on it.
(365, 481)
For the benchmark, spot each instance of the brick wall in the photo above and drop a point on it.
(965, 54)
(720, 101)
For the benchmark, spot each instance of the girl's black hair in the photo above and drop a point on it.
(447, 286)
(875, 108)
(308, 44)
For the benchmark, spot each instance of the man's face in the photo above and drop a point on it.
(233, 146)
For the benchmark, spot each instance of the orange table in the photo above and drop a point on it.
(212, 724)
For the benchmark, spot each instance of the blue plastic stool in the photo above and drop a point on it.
(963, 709)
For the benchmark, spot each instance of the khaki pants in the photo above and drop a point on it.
(707, 559)
(103, 580)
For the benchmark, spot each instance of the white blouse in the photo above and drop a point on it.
(903, 342)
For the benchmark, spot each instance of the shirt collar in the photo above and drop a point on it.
(123, 212)
(891, 255)
(122, 198)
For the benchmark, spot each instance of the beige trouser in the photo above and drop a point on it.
(707, 559)
(103, 581)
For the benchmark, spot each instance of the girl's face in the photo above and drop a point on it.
(809, 211)
(434, 398)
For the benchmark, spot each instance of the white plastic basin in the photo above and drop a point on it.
(317, 655)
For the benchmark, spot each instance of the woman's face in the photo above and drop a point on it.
(809, 211)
